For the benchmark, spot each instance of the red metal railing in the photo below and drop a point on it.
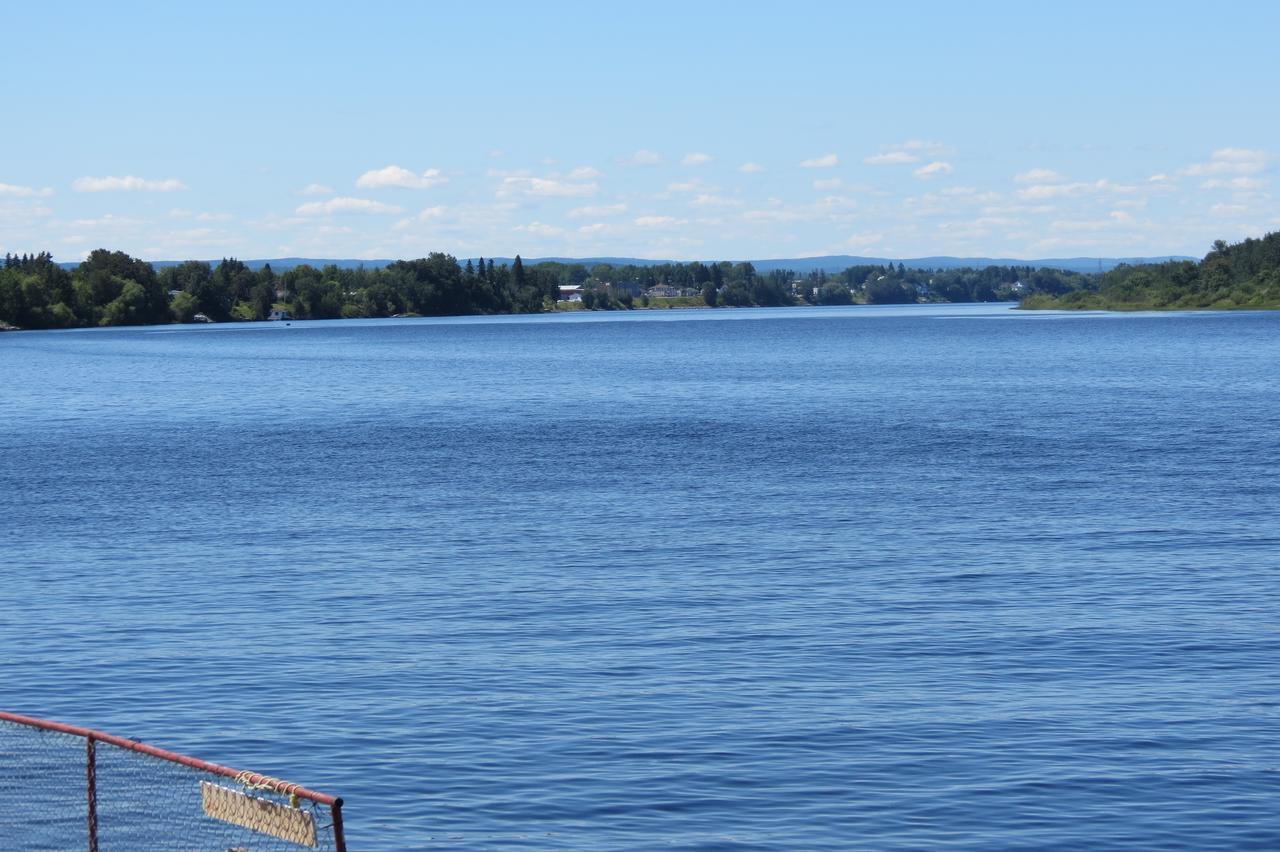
(250, 780)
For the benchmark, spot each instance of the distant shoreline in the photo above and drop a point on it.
(800, 306)
(111, 288)
(1125, 308)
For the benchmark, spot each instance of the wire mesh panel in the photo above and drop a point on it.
(43, 799)
(64, 788)
(147, 803)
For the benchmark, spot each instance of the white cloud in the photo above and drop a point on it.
(684, 186)
(596, 228)
(890, 158)
(1246, 156)
(836, 202)
(923, 145)
(24, 191)
(110, 220)
(1052, 190)
(904, 153)
(641, 158)
(696, 158)
(540, 229)
(1045, 191)
(937, 167)
(545, 187)
(1238, 161)
(829, 183)
(750, 168)
(655, 221)
(584, 173)
(1105, 185)
(428, 214)
(707, 199)
(1039, 176)
(595, 212)
(864, 241)
(16, 217)
(772, 216)
(401, 177)
(1115, 219)
(1243, 183)
(316, 189)
(1228, 209)
(128, 183)
(826, 161)
(180, 213)
(345, 205)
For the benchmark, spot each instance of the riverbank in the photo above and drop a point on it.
(1081, 301)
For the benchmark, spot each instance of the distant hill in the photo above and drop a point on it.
(838, 263)
(280, 264)
(827, 263)
(841, 262)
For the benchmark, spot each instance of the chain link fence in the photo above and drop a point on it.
(63, 787)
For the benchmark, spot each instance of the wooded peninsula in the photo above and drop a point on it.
(111, 288)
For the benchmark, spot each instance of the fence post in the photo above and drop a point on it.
(91, 778)
(339, 838)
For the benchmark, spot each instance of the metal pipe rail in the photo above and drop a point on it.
(251, 780)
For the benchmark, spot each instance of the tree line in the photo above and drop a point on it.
(1239, 275)
(113, 288)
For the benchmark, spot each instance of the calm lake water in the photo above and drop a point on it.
(919, 577)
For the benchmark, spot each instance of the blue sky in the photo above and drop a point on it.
(681, 130)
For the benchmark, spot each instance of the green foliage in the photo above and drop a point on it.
(214, 295)
(889, 291)
(129, 308)
(833, 294)
(244, 312)
(100, 281)
(663, 302)
(261, 299)
(112, 288)
(233, 277)
(31, 289)
(1241, 275)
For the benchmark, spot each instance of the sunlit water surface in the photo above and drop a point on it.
(885, 578)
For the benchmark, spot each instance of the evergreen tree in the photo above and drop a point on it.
(517, 274)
